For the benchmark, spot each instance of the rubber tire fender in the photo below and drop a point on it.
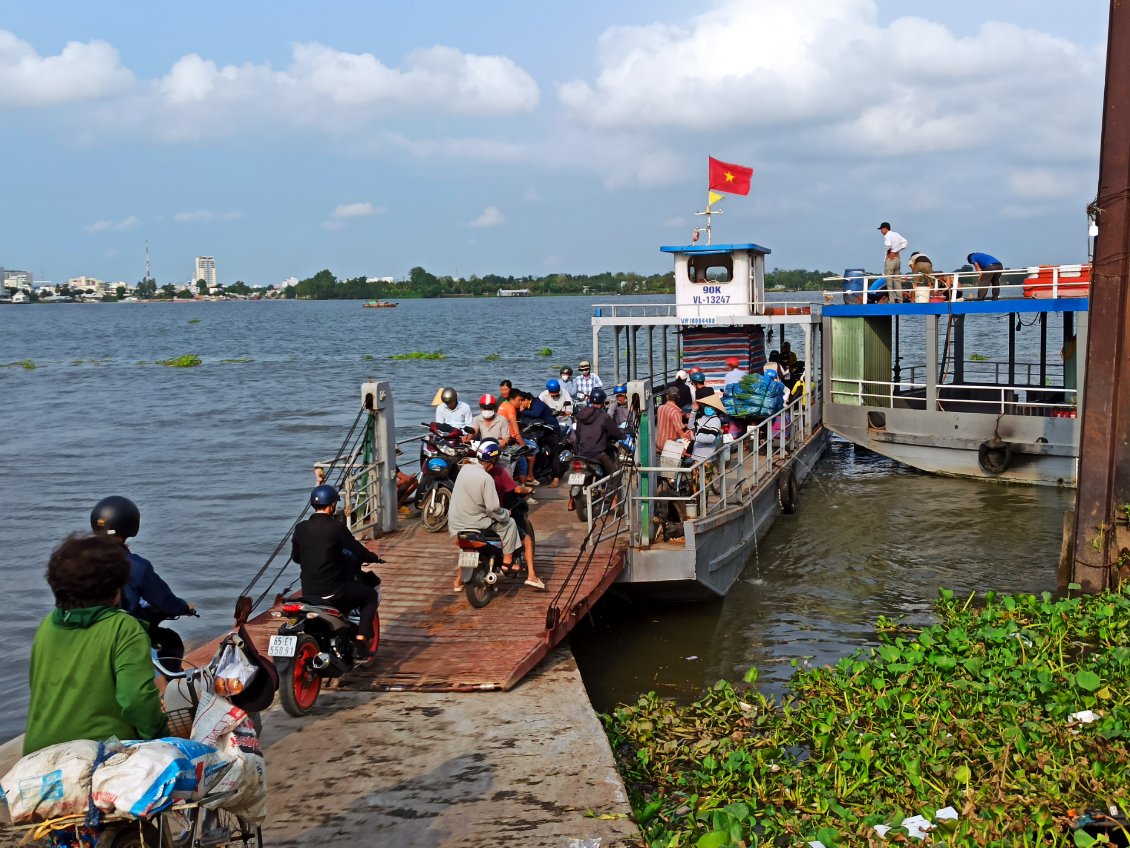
(994, 456)
(788, 490)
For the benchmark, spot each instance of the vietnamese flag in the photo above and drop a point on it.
(732, 179)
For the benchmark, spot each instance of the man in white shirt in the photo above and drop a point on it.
(557, 399)
(892, 262)
(585, 383)
(452, 411)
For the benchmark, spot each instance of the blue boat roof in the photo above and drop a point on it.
(959, 307)
(712, 248)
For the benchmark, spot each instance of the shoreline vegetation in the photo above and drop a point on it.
(1013, 711)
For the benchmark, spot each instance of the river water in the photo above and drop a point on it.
(219, 459)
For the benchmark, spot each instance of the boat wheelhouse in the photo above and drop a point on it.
(956, 385)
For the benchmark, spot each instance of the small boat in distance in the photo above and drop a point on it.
(379, 304)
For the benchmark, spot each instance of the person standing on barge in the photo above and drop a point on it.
(894, 244)
(989, 269)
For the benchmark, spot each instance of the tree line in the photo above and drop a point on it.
(420, 283)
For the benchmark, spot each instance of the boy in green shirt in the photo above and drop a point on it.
(91, 674)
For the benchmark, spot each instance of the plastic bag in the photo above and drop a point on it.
(50, 783)
(144, 778)
(243, 788)
(233, 670)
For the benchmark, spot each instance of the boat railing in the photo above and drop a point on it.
(673, 310)
(988, 398)
(1025, 375)
(1050, 281)
(727, 477)
(605, 496)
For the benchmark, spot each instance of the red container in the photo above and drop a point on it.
(1049, 281)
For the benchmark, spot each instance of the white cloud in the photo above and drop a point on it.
(491, 217)
(204, 216)
(1045, 184)
(107, 225)
(803, 75)
(356, 210)
(80, 71)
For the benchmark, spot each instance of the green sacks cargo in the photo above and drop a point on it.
(754, 396)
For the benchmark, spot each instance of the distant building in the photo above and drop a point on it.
(13, 279)
(380, 279)
(206, 271)
(87, 284)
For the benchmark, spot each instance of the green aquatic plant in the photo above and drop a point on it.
(367, 357)
(492, 357)
(982, 712)
(193, 320)
(419, 354)
(189, 360)
(239, 359)
(26, 364)
(141, 362)
(76, 362)
(978, 357)
(545, 352)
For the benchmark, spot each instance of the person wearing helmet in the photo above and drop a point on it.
(698, 382)
(145, 595)
(682, 383)
(511, 495)
(475, 506)
(557, 399)
(567, 384)
(586, 382)
(330, 559)
(619, 411)
(488, 424)
(90, 674)
(596, 432)
(452, 411)
(736, 374)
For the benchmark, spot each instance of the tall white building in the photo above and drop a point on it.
(206, 271)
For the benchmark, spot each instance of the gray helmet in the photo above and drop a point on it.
(450, 396)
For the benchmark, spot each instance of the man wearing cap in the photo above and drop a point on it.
(990, 270)
(586, 381)
(892, 263)
(735, 374)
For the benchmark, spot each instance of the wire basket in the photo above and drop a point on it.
(180, 722)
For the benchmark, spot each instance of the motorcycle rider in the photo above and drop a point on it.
(531, 408)
(510, 494)
(331, 559)
(452, 411)
(475, 506)
(559, 402)
(587, 382)
(596, 432)
(488, 424)
(619, 411)
(91, 675)
(145, 595)
(567, 384)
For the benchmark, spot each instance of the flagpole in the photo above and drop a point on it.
(708, 212)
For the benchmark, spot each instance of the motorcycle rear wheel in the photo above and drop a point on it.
(478, 592)
(299, 682)
(581, 507)
(128, 835)
(433, 511)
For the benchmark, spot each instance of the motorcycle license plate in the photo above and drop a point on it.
(577, 479)
(282, 646)
(468, 559)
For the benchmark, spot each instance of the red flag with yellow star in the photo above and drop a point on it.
(732, 179)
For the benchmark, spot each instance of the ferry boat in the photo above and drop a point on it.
(694, 540)
(378, 304)
(21, 297)
(955, 385)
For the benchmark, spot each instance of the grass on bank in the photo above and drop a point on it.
(974, 712)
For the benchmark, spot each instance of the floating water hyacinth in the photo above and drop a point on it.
(420, 354)
(189, 360)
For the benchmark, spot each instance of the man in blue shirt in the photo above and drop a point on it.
(990, 269)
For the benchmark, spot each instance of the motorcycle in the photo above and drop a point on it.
(584, 472)
(441, 451)
(480, 559)
(167, 643)
(314, 643)
(553, 455)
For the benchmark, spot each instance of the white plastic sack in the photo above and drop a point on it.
(147, 777)
(50, 783)
(243, 787)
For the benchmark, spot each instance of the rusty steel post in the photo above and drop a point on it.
(1100, 532)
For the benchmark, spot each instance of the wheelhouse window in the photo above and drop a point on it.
(711, 269)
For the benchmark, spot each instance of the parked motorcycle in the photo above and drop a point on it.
(315, 643)
(554, 453)
(480, 559)
(584, 472)
(441, 451)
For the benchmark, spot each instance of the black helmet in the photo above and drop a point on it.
(449, 395)
(324, 495)
(115, 516)
(598, 396)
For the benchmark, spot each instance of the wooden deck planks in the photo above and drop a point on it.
(433, 640)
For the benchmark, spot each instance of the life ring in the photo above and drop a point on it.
(788, 490)
(994, 456)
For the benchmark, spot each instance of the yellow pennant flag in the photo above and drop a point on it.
(712, 198)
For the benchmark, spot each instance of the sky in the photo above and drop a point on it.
(520, 138)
